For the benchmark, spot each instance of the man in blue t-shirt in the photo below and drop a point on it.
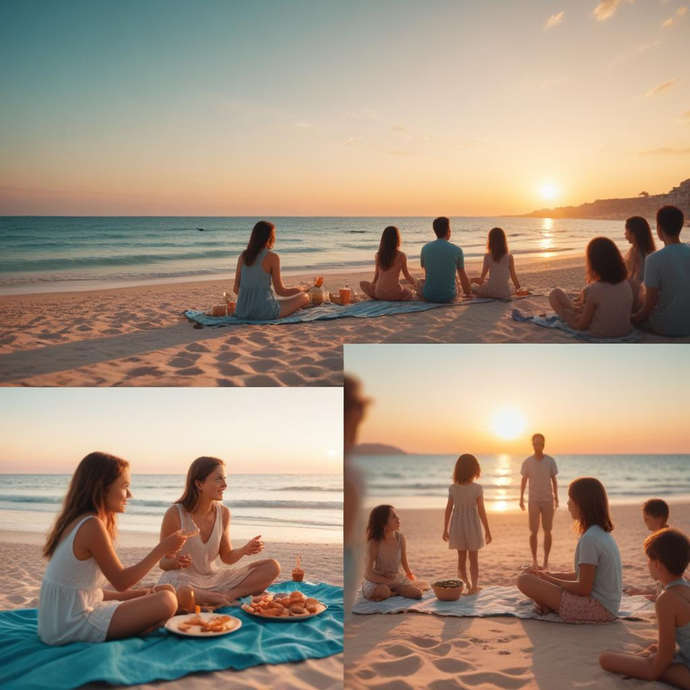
(440, 260)
(666, 308)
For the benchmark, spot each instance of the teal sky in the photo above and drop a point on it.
(161, 430)
(341, 108)
(611, 399)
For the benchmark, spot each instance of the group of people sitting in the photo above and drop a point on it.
(590, 593)
(76, 603)
(647, 288)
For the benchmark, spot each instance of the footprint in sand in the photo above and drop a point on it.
(399, 650)
(399, 667)
(198, 347)
(260, 381)
(183, 360)
(451, 665)
(262, 366)
(192, 371)
(230, 370)
(495, 680)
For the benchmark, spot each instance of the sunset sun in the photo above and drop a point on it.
(549, 190)
(508, 423)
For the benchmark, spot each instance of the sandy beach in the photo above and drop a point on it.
(20, 585)
(414, 650)
(137, 336)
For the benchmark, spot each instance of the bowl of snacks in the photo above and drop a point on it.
(448, 590)
(286, 607)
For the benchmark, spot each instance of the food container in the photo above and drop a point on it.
(218, 310)
(298, 571)
(317, 295)
(448, 590)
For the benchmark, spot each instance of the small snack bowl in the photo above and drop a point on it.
(448, 590)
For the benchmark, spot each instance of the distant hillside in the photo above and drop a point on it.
(377, 449)
(644, 204)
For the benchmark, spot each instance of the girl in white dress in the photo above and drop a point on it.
(500, 265)
(386, 552)
(74, 606)
(466, 503)
(200, 508)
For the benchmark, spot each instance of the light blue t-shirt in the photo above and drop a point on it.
(668, 270)
(441, 259)
(597, 547)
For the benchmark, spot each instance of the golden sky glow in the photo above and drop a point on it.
(160, 431)
(309, 108)
(492, 398)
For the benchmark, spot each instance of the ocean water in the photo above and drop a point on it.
(61, 253)
(422, 481)
(295, 508)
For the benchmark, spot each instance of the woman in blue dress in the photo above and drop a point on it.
(256, 268)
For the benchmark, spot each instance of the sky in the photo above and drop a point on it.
(162, 430)
(307, 107)
(600, 399)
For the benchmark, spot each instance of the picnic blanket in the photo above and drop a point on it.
(28, 664)
(555, 321)
(367, 309)
(490, 601)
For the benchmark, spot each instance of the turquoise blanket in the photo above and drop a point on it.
(555, 321)
(361, 310)
(28, 664)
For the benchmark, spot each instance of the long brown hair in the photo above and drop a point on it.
(639, 228)
(466, 469)
(94, 475)
(378, 519)
(388, 248)
(590, 497)
(263, 235)
(604, 262)
(198, 471)
(497, 244)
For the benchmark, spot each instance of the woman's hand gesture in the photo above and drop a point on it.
(172, 544)
(254, 546)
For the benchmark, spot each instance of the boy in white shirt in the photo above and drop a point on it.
(540, 470)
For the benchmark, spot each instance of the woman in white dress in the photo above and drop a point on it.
(200, 508)
(74, 606)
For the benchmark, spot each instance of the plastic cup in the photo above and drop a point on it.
(344, 295)
(297, 576)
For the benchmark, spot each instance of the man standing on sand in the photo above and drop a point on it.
(440, 260)
(540, 470)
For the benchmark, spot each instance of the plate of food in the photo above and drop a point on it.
(200, 624)
(286, 607)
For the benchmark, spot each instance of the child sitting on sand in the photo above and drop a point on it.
(74, 607)
(592, 592)
(466, 502)
(639, 234)
(390, 262)
(500, 266)
(386, 552)
(655, 514)
(606, 304)
(668, 554)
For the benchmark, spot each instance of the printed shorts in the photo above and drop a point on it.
(579, 610)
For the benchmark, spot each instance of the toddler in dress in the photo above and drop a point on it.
(386, 552)
(466, 504)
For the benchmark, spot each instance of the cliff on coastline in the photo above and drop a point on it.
(377, 449)
(645, 205)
